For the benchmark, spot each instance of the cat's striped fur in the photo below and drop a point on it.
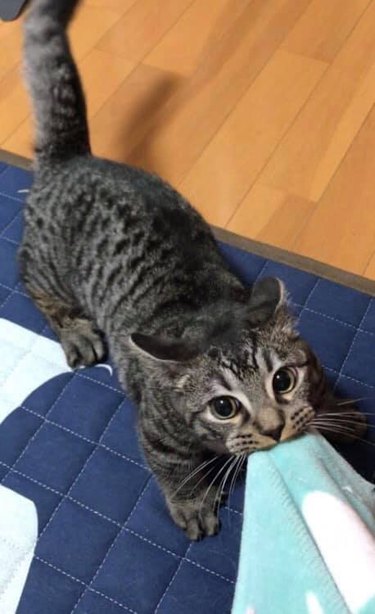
(112, 252)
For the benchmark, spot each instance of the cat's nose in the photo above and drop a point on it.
(274, 433)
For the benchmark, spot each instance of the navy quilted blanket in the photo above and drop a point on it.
(83, 526)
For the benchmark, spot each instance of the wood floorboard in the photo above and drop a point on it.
(260, 111)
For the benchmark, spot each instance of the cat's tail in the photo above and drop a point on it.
(54, 83)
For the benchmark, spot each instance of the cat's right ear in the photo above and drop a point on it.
(266, 297)
(164, 349)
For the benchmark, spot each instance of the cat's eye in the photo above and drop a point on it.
(284, 380)
(225, 408)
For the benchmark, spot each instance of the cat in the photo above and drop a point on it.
(112, 252)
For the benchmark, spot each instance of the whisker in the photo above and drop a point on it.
(349, 422)
(242, 459)
(235, 471)
(327, 420)
(342, 431)
(193, 473)
(353, 424)
(204, 476)
(229, 460)
(349, 401)
(333, 425)
(344, 413)
(221, 488)
(342, 428)
(344, 420)
(232, 466)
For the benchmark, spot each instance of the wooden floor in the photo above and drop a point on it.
(260, 111)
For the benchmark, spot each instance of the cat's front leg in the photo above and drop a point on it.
(198, 517)
(188, 484)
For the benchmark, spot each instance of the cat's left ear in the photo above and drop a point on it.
(165, 349)
(267, 296)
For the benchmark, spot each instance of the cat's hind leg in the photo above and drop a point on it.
(82, 343)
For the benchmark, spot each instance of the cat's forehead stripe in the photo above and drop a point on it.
(267, 360)
(221, 380)
(230, 379)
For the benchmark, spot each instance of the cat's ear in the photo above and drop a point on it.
(165, 349)
(266, 297)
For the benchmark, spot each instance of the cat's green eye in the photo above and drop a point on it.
(225, 408)
(284, 380)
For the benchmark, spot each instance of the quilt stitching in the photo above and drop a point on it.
(14, 290)
(172, 579)
(10, 223)
(145, 489)
(7, 298)
(265, 264)
(108, 386)
(349, 377)
(87, 439)
(120, 525)
(214, 573)
(19, 200)
(355, 337)
(304, 305)
(106, 555)
(91, 509)
(7, 238)
(74, 579)
(54, 512)
(325, 316)
(77, 477)
(36, 432)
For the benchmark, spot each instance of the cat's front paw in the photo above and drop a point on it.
(196, 519)
(82, 344)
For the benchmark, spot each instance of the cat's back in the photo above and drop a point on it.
(109, 187)
(89, 208)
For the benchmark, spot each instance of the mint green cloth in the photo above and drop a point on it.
(286, 567)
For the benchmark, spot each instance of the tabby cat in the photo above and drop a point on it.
(112, 252)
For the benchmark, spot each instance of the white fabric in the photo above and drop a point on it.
(18, 535)
(28, 361)
(342, 537)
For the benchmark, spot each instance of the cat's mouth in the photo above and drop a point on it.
(285, 437)
(217, 446)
